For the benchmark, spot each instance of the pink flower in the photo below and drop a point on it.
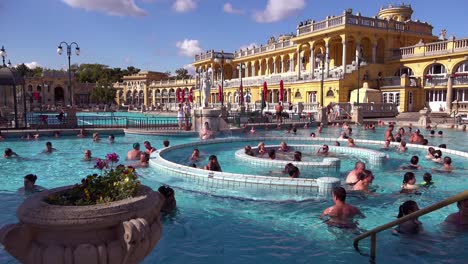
(112, 157)
(100, 164)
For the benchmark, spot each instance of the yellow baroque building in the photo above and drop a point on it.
(326, 60)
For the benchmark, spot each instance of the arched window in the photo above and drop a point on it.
(330, 93)
(313, 97)
(297, 94)
(463, 67)
(248, 98)
(390, 98)
(437, 69)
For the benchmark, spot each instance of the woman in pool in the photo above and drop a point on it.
(96, 137)
(365, 180)
(195, 155)
(213, 164)
(144, 160)
(248, 150)
(430, 153)
(252, 130)
(402, 147)
(9, 153)
(283, 147)
(87, 155)
(297, 156)
(206, 132)
(413, 226)
(261, 149)
(409, 183)
(437, 156)
(30, 185)
(351, 143)
(459, 218)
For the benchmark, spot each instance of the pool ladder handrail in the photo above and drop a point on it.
(373, 233)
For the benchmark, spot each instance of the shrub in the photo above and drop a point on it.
(112, 185)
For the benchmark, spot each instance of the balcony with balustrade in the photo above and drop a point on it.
(431, 49)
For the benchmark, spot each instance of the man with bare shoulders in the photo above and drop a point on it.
(135, 153)
(341, 214)
(388, 133)
(279, 112)
(353, 175)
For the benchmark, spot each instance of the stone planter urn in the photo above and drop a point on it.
(124, 231)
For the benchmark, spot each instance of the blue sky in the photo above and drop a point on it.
(162, 35)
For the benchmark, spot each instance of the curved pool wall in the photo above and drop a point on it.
(375, 158)
(329, 164)
(214, 179)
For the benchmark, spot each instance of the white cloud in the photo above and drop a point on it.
(32, 65)
(249, 46)
(228, 8)
(277, 10)
(183, 6)
(110, 7)
(189, 47)
(191, 69)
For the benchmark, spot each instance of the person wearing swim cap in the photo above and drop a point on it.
(134, 154)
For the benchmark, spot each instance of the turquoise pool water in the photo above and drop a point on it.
(221, 227)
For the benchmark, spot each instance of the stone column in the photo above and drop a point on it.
(327, 63)
(358, 51)
(260, 66)
(344, 56)
(282, 64)
(145, 95)
(312, 62)
(299, 62)
(448, 104)
(374, 53)
(154, 97)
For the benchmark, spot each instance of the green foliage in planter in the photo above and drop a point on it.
(113, 185)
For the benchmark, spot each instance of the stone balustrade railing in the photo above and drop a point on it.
(429, 49)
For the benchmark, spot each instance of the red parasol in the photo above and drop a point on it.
(220, 93)
(191, 95)
(281, 91)
(178, 95)
(265, 91)
(241, 94)
(183, 96)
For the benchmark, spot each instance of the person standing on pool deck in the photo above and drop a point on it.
(341, 214)
(279, 112)
(134, 154)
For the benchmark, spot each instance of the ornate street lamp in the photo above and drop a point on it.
(77, 52)
(322, 58)
(221, 59)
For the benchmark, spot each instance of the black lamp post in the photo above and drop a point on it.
(221, 59)
(357, 64)
(77, 52)
(321, 58)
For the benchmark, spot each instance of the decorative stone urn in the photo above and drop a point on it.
(118, 232)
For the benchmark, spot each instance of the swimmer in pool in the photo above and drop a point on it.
(413, 226)
(461, 217)
(341, 214)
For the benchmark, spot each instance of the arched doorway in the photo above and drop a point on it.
(59, 95)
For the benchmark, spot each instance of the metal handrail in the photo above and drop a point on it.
(373, 233)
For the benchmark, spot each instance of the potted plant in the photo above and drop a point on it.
(109, 218)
